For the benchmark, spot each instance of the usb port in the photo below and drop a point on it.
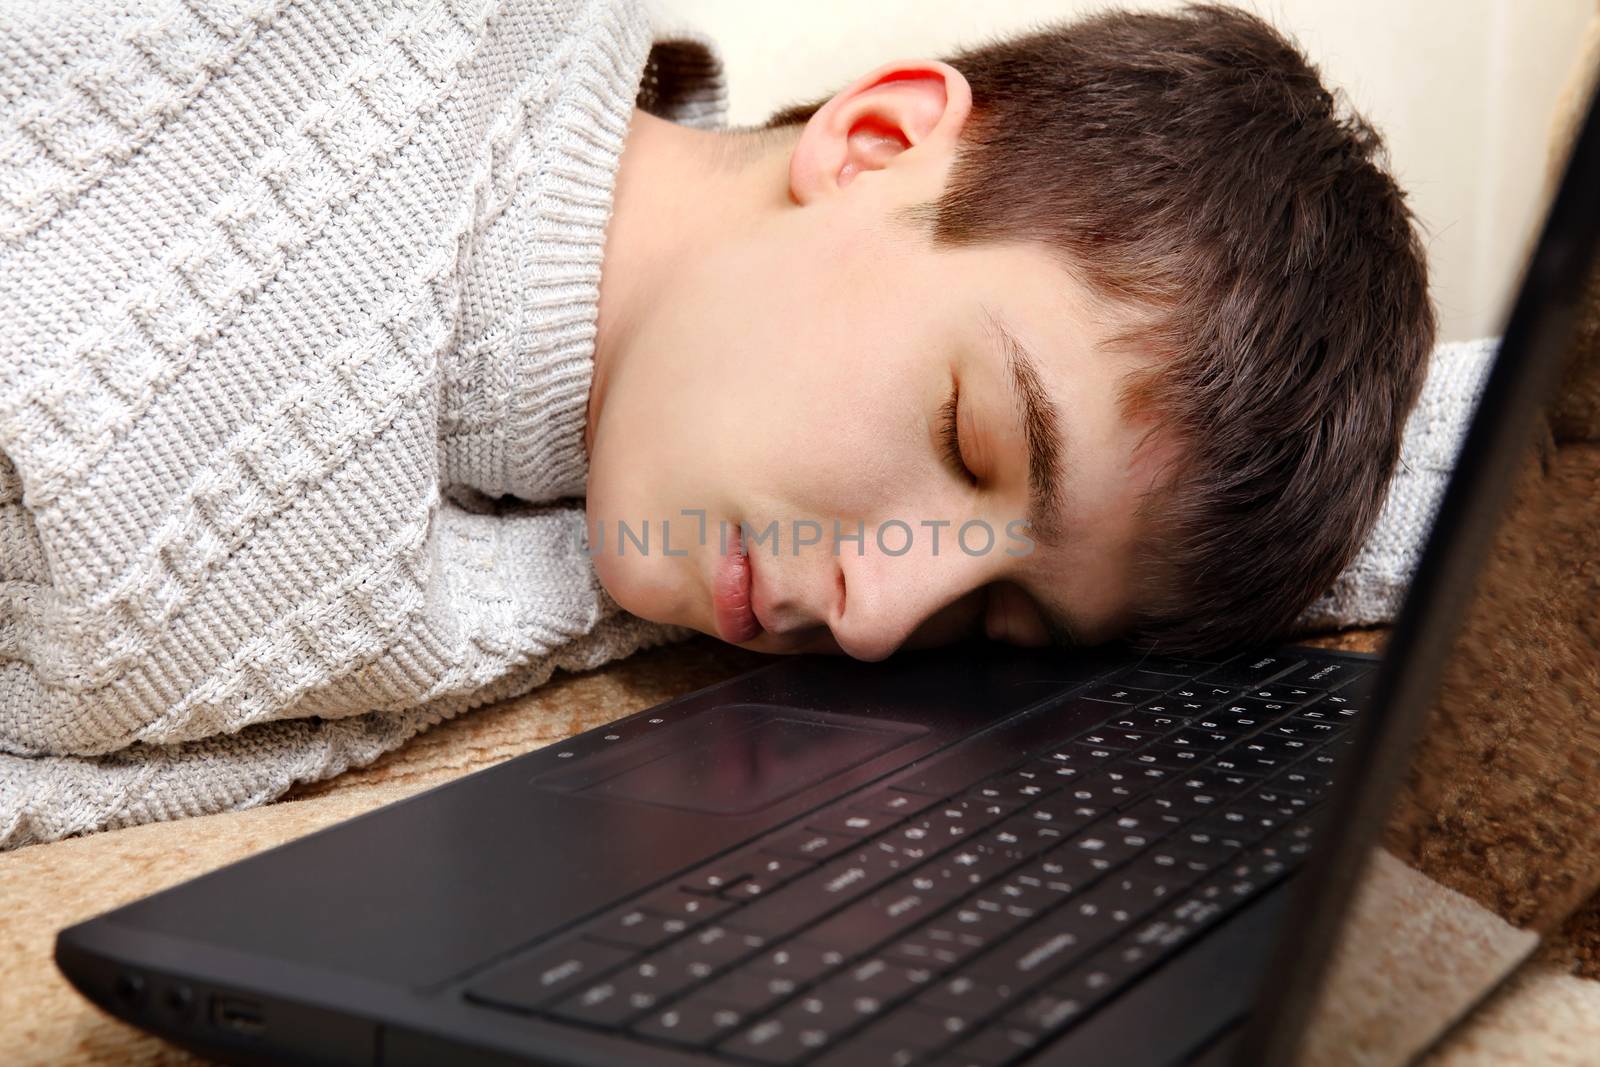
(237, 1016)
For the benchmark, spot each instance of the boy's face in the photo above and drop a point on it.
(798, 373)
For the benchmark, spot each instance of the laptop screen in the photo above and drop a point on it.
(1465, 827)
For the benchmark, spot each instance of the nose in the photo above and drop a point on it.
(885, 598)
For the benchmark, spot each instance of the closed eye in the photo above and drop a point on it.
(950, 438)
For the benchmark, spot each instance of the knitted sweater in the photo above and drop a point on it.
(297, 326)
(296, 296)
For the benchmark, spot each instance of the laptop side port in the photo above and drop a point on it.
(237, 1015)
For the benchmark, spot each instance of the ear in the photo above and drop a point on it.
(906, 106)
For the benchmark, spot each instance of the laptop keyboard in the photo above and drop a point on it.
(966, 912)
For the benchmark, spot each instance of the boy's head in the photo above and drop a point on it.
(1176, 306)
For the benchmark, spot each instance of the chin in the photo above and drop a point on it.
(647, 591)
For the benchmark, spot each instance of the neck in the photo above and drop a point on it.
(678, 192)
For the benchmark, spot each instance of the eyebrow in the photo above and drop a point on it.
(1042, 432)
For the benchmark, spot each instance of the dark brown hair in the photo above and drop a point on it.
(1192, 169)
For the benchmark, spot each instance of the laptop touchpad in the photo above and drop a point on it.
(733, 759)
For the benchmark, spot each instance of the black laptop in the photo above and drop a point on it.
(969, 857)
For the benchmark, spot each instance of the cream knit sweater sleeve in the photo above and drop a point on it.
(281, 283)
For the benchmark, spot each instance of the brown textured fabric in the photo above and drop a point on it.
(1576, 415)
(1501, 799)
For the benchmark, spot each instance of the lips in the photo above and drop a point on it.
(731, 599)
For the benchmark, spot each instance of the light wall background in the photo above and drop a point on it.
(1463, 91)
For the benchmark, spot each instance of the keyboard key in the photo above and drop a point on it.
(1199, 738)
(972, 926)
(1111, 737)
(638, 927)
(1234, 718)
(937, 946)
(752, 994)
(1241, 763)
(1210, 838)
(1219, 783)
(547, 973)
(994, 802)
(1198, 849)
(802, 961)
(767, 874)
(993, 751)
(1294, 840)
(1022, 962)
(694, 907)
(1304, 729)
(1171, 756)
(1266, 753)
(1020, 837)
(812, 895)
(809, 845)
(712, 880)
(1065, 811)
(783, 1038)
(888, 801)
(1063, 871)
(875, 919)
(1349, 703)
(941, 826)
(1084, 753)
(1044, 1013)
(1052, 773)
(1316, 675)
(1187, 666)
(1304, 782)
(1007, 899)
(1166, 873)
(857, 1052)
(1247, 827)
(721, 874)
(904, 1036)
(1162, 812)
(962, 994)
(1131, 782)
(671, 971)
(1281, 694)
(1266, 710)
(885, 979)
(1253, 671)
(1146, 678)
(960, 870)
(613, 1001)
(989, 1047)
(692, 1021)
(834, 1008)
(1177, 803)
(843, 822)
(1271, 801)
(712, 948)
(1116, 693)
(1085, 986)
(1024, 890)
(1202, 694)
(1159, 720)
